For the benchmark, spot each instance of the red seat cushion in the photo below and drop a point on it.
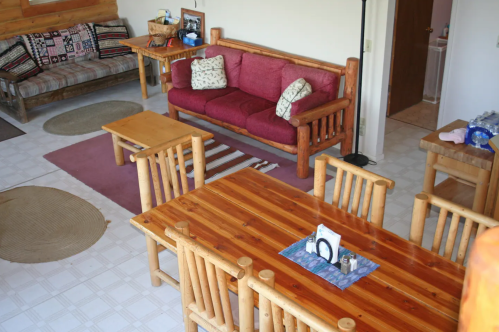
(268, 125)
(232, 62)
(195, 100)
(261, 76)
(182, 73)
(320, 80)
(236, 107)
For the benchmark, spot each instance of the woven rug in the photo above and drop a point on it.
(8, 131)
(92, 162)
(90, 118)
(40, 224)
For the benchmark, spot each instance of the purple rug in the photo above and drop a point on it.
(92, 162)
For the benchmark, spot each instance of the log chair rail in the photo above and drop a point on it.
(317, 129)
(17, 106)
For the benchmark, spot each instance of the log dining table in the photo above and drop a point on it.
(252, 214)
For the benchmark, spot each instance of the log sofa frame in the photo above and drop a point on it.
(16, 106)
(318, 128)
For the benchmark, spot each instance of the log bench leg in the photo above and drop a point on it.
(303, 151)
(172, 112)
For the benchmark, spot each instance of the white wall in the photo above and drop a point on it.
(471, 79)
(320, 29)
(440, 17)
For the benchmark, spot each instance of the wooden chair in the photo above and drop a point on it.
(204, 288)
(272, 304)
(376, 187)
(421, 204)
(147, 161)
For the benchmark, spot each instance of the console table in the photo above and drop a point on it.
(165, 55)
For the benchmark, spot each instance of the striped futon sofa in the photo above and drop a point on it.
(65, 80)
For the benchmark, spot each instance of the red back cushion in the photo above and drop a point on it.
(182, 73)
(261, 76)
(232, 62)
(314, 100)
(320, 80)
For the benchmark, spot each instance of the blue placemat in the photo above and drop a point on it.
(318, 265)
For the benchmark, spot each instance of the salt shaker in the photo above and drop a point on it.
(353, 261)
(345, 264)
(310, 247)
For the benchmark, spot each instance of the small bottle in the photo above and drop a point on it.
(345, 264)
(310, 247)
(353, 261)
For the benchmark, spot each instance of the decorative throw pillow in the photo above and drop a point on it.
(60, 45)
(16, 60)
(208, 74)
(108, 40)
(295, 91)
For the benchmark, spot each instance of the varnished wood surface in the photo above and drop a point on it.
(149, 129)
(460, 152)
(251, 214)
(161, 52)
(13, 22)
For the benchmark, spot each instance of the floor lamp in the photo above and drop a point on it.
(356, 158)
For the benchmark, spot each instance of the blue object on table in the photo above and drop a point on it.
(192, 42)
(318, 265)
(480, 130)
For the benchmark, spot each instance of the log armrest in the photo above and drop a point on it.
(319, 112)
(166, 77)
(9, 76)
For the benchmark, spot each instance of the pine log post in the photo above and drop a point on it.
(347, 325)
(303, 151)
(246, 297)
(350, 92)
(320, 177)
(265, 306)
(215, 35)
(480, 298)
(379, 200)
(418, 219)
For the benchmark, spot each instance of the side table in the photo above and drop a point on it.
(165, 55)
(468, 168)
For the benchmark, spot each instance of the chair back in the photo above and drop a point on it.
(168, 155)
(279, 313)
(375, 188)
(421, 202)
(203, 284)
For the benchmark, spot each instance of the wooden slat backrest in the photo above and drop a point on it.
(206, 273)
(278, 313)
(421, 202)
(164, 154)
(375, 188)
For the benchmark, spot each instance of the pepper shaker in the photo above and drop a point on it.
(345, 264)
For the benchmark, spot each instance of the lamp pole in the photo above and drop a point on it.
(356, 158)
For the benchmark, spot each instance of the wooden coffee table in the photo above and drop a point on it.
(164, 55)
(147, 129)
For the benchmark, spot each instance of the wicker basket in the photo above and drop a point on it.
(167, 30)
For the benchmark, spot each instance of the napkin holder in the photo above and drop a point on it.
(325, 244)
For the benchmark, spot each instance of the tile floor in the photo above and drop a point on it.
(423, 114)
(107, 287)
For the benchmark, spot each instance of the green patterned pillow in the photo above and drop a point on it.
(295, 91)
(208, 74)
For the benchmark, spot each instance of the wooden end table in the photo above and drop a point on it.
(165, 55)
(147, 129)
(468, 169)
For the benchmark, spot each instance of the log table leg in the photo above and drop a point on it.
(142, 74)
(118, 151)
(429, 175)
(162, 65)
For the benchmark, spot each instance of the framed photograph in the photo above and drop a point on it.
(193, 21)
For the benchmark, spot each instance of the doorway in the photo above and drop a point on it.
(416, 70)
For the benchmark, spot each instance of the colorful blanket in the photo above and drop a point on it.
(61, 45)
(318, 265)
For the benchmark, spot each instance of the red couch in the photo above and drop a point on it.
(254, 84)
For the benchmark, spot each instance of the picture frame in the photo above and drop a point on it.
(192, 20)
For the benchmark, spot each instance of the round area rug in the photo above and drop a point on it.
(40, 224)
(90, 118)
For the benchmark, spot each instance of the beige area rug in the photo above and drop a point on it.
(90, 118)
(40, 224)
(423, 114)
